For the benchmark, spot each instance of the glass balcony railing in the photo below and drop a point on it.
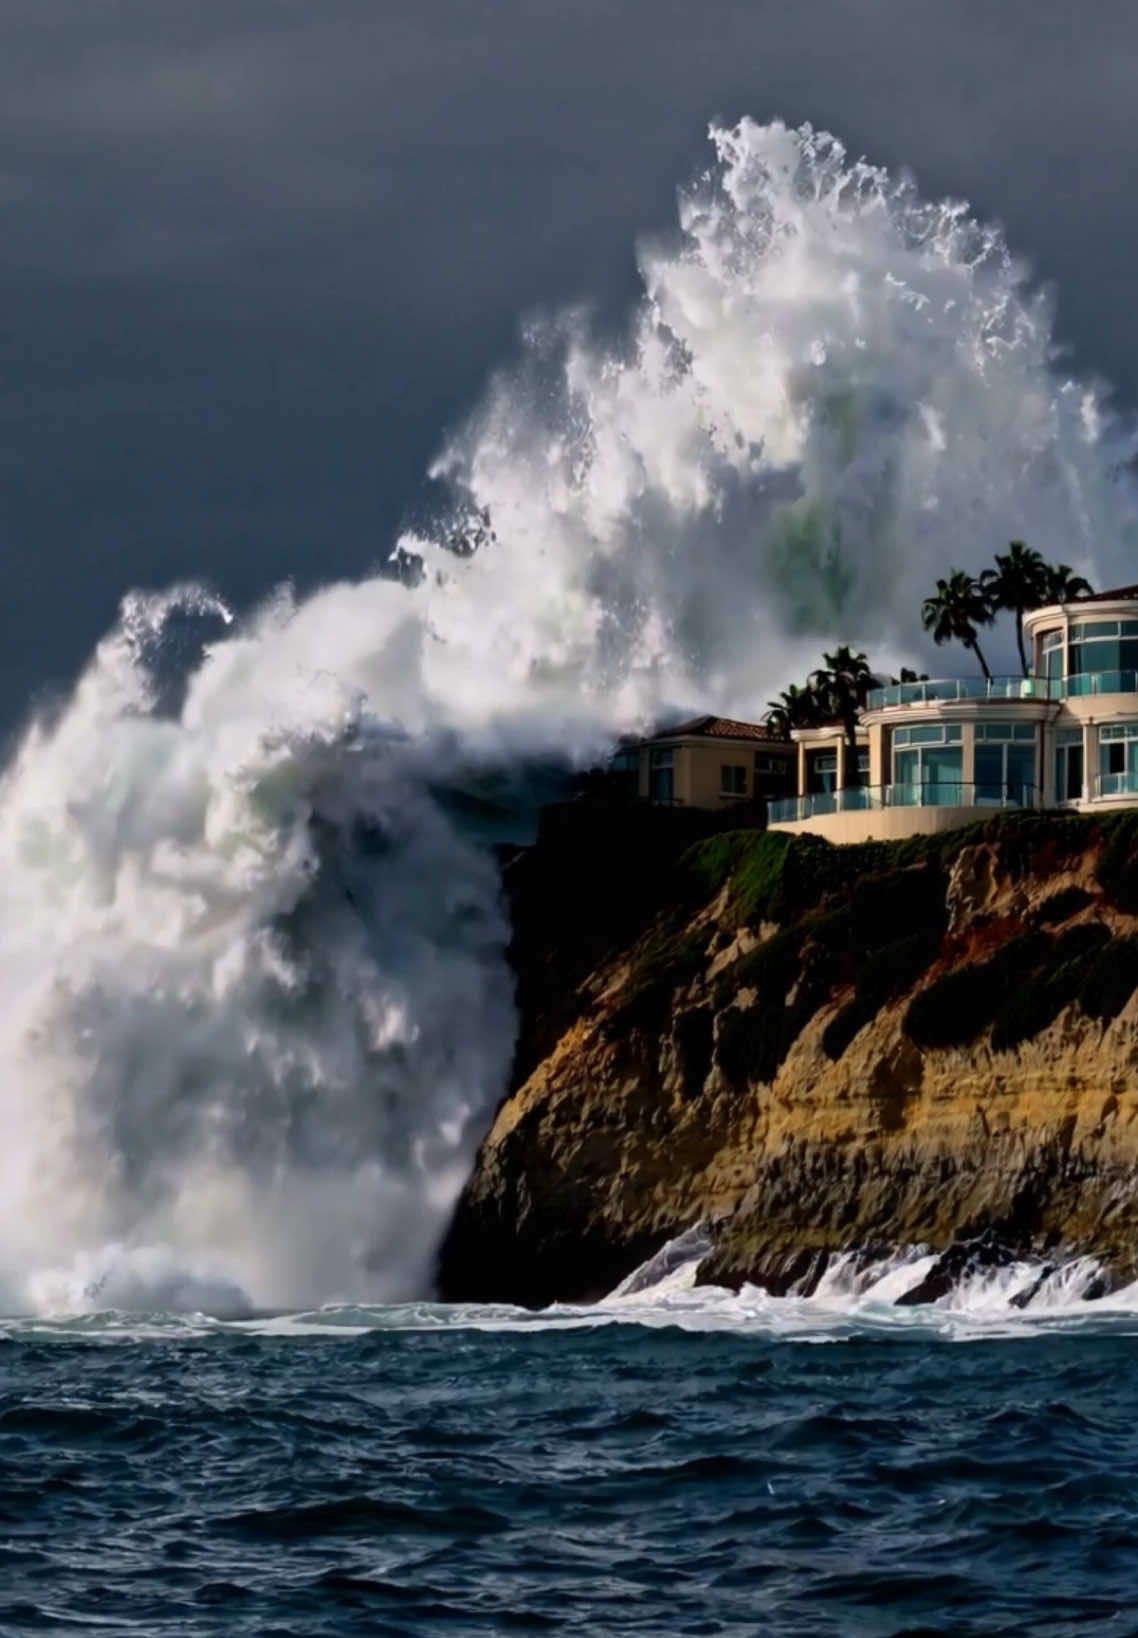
(1117, 784)
(874, 798)
(1101, 682)
(937, 690)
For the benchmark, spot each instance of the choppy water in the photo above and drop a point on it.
(670, 1468)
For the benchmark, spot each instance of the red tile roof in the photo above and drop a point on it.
(709, 727)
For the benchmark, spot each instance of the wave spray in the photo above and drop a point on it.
(254, 1004)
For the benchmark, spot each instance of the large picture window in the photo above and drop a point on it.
(663, 776)
(927, 766)
(1103, 648)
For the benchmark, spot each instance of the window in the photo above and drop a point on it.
(928, 765)
(1006, 730)
(771, 764)
(732, 779)
(1051, 654)
(1118, 730)
(863, 764)
(821, 772)
(663, 776)
(1093, 630)
(1068, 764)
(941, 734)
(1004, 764)
(1118, 758)
(1099, 646)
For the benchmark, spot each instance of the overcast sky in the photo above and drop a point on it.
(258, 255)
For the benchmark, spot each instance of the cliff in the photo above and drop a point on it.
(814, 1049)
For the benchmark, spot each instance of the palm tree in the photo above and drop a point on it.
(795, 708)
(954, 613)
(1062, 585)
(842, 689)
(1017, 583)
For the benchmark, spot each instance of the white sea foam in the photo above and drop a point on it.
(854, 1300)
(254, 1007)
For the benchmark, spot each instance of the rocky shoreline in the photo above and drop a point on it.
(813, 1050)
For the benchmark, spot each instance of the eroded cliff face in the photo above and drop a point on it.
(817, 1050)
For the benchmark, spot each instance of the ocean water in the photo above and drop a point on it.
(684, 1463)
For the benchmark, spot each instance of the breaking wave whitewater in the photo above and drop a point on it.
(255, 1006)
(857, 1297)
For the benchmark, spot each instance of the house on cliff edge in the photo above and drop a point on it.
(934, 754)
(1065, 736)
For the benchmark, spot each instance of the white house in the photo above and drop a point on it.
(934, 755)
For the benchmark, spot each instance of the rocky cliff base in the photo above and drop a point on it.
(814, 1050)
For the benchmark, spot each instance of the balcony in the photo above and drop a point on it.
(945, 690)
(1101, 682)
(1116, 784)
(875, 798)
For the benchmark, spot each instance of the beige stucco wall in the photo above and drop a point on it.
(884, 824)
(877, 766)
(697, 769)
(705, 762)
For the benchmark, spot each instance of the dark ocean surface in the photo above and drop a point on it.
(429, 1471)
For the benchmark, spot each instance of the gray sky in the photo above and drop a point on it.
(258, 255)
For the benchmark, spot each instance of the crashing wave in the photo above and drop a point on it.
(255, 1006)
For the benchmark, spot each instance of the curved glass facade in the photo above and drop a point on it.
(1102, 657)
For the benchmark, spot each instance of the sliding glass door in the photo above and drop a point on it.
(1004, 771)
(927, 766)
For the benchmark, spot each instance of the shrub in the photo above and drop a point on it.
(669, 956)
(1040, 998)
(749, 863)
(830, 931)
(1060, 907)
(1117, 867)
(1078, 942)
(771, 967)
(1110, 979)
(887, 909)
(694, 1033)
(752, 1042)
(712, 863)
(881, 977)
(958, 1007)
(893, 969)
(842, 1028)
(791, 982)
(757, 879)
(952, 1011)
